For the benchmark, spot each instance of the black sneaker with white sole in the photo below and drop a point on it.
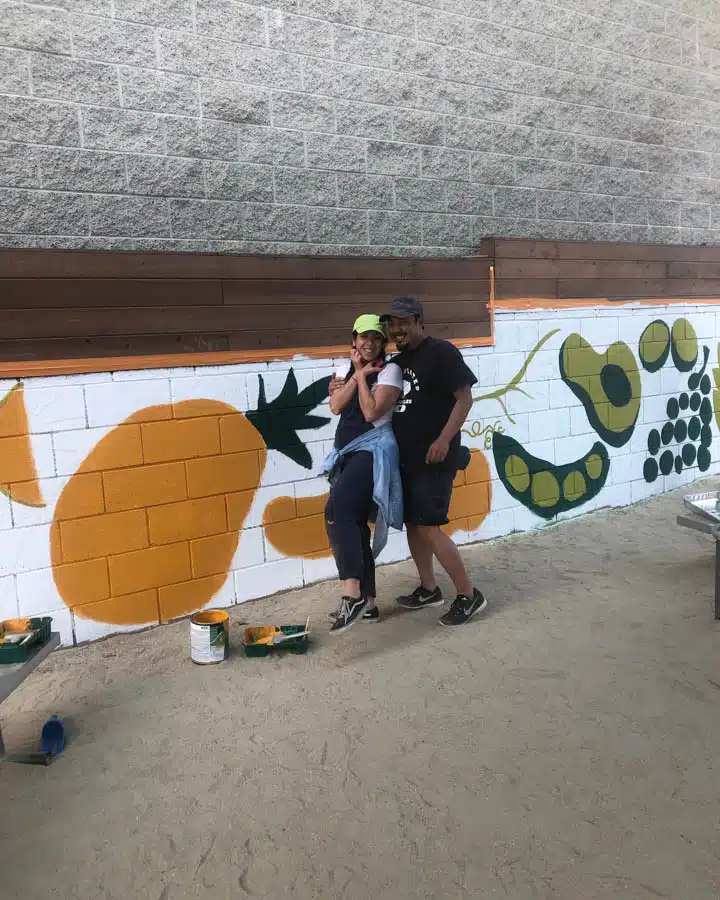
(421, 598)
(371, 614)
(351, 608)
(464, 608)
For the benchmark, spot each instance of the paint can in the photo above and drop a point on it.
(209, 633)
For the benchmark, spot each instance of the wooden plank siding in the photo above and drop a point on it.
(123, 310)
(527, 271)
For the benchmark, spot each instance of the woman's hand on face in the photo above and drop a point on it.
(357, 361)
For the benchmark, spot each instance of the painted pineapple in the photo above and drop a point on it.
(150, 522)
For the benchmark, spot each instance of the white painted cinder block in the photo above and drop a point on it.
(53, 409)
(6, 520)
(641, 489)
(63, 623)
(559, 394)
(543, 367)
(72, 447)
(88, 630)
(24, 550)
(42, 449)
(37, 592)
(518, 335)
(110, 404)
(704, 325)
(672, 382)
(51, 489)
(526, 520)
(545, 450)
(228, 389)
(319, 569)
(8, 598)
(600, 332)
(579, 423)
(551, 423)
(498, 523)
(269, 579)
(395, 550)
(251, 549)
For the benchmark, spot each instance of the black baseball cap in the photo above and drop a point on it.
(403, 308)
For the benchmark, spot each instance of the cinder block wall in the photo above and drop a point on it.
(357, 126)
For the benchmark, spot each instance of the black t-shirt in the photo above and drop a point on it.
(432, 372)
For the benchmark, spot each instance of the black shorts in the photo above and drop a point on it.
(426, 495)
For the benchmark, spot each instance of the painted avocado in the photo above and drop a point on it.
(544, 488)
(607, 384)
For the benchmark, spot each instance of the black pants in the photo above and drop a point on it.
(349, 507)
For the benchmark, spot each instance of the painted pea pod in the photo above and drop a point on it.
(541, 486)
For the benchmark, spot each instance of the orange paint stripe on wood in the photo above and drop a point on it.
(37, 368)
(529, 303)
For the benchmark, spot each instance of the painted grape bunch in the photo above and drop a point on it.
(684, 440)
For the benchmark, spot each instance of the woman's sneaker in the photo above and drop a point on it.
(372, 614)
(351, 608)
(464, 608)
(420, 598)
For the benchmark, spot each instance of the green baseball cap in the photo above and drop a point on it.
(369, 322)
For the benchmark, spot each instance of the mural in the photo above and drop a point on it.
(685, 437)
(150, 521)
(607, 384)
(145, 523)
(544, 488)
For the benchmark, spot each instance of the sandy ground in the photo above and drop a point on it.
(564, 747)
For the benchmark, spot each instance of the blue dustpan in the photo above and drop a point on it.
(53, 737)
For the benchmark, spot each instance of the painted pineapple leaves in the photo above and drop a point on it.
(280, 420)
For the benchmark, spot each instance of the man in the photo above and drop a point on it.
(429, 414)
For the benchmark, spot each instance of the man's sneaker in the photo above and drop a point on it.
(464, 608)
(421, 597)
(370, 615)
(351, 608)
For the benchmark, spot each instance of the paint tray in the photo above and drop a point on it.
(705, 505)
(37, 630)
(258, 640)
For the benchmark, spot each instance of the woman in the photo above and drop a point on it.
(363, 469)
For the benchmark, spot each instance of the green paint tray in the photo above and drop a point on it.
(259, 640)
(38, 631)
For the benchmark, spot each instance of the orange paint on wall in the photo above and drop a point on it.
(137, 609)
(471, 496)
(300, 535)
(18, 475)
(151, 519)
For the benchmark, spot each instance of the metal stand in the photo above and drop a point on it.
(705, 526)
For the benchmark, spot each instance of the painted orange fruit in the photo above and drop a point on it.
(296, 526)
(147, 528)
(471, 496)
(18, 475)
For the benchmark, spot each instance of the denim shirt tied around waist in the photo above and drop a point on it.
(387, 488)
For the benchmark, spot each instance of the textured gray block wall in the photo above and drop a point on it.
(357, 126)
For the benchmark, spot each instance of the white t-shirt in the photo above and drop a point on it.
(390, 374)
